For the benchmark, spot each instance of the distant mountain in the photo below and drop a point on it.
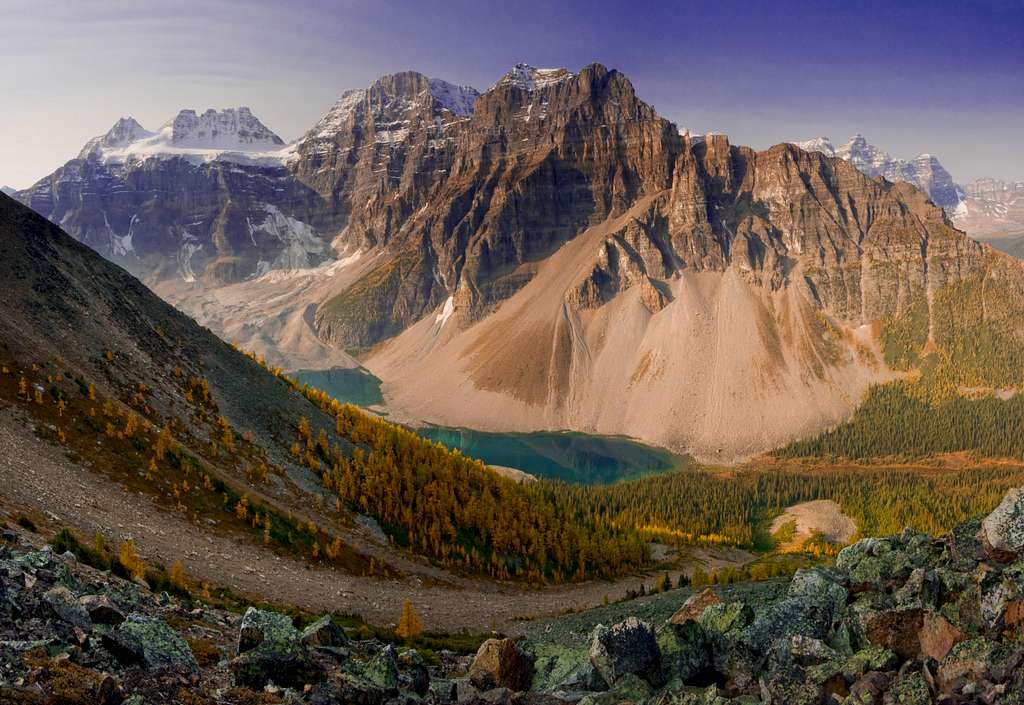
(924, 171)
(7, 190)
(993, 211)
(204, 196)
(550, 254)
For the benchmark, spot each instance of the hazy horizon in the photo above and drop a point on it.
(916, 78)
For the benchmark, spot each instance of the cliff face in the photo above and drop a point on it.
(545, 155)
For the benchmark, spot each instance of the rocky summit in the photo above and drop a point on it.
(904, 619)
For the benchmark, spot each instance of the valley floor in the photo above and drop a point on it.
(39, 480)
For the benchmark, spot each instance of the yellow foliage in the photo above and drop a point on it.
(409, 625)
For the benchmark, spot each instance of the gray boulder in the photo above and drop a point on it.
(150, 642)
(101, 609)
(1003, 529)
(65, 605)
(324, 633)
(270, 651)
(629, 647)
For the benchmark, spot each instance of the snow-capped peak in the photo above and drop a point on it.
(8, 191)
(225, 129)
(234, 134)
(125, 131)
(818, 144)
(460, 100)
(528, 78)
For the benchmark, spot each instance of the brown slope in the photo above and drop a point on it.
(65, 302)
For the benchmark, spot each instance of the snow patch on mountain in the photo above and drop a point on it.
(446, 312)
(303, 246)
(528, 78)
(232, 135)
(460, 100)
(818, 144)
(339, 114)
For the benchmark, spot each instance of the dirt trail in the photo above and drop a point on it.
(36, 474)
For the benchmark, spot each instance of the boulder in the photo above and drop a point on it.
(910, 689)
(63, 603)
(938, 636)
(980, 661)
(694, 606)
(628, 647)
(262, 627)
(270, 650)
(725, 617)
(148, 641)
(559, 668)
(324, 633)
(685, 651)
(101, 609)
(630, 688)
(382, 670)
(501, 663)
(413, 672)
(897, 630)
(1003, 529)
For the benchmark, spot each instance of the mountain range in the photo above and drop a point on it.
(547, 254)
(986, 209)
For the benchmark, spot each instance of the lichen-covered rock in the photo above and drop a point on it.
(629, 688)
(65, 605)
(725, 617)
(270, 650)
(382, 670)
(627, 647)
(413, 673)
(979, 661)
(261, 627)
(324, 633)
(562, 669)
(1003, 529)
(921, 590)
(870, 658)
(150, 642)
(910, 689)
(685, 650)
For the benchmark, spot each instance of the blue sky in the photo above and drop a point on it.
(940, 77)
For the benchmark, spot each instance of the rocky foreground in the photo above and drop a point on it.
(905, 619)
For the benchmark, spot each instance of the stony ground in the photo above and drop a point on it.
(903, 620)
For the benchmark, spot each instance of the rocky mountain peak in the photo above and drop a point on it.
(458, 99)
(228, 128)
(527, 78)
(124, 132)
